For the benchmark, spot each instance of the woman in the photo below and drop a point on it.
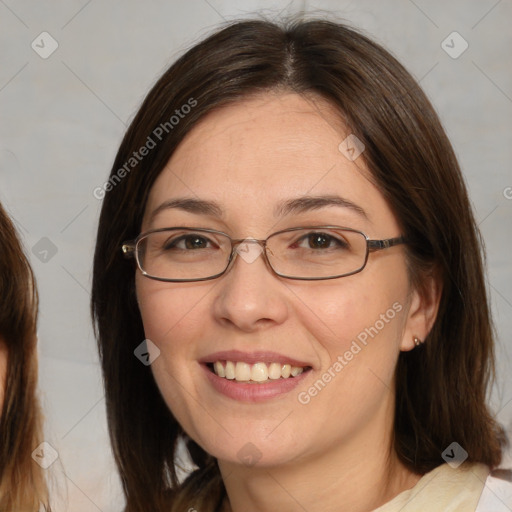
(299, 295)
(22, 482)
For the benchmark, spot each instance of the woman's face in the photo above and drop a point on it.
(344, 334)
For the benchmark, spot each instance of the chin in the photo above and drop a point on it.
(251, 448)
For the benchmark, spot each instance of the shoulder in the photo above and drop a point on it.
(497, 492)
(446, 487)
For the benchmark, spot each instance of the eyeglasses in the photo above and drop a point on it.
(181, 254)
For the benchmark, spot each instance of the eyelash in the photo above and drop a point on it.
(173, 243)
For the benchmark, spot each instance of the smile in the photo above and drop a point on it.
(254, 376)
(256, 373)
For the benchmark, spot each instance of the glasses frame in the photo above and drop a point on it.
(130, 250)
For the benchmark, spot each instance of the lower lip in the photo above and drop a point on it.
(245, 392)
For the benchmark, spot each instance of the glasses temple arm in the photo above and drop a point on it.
(376, 245)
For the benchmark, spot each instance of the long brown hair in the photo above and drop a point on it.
(22, 483)
(441, 388)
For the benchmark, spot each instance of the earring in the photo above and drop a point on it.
(417, 341)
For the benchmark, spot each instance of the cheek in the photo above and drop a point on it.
(174, 320)
(357, 334)
(337, 314)
(170, 311)
(175, 317)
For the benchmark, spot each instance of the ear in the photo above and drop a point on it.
(423, 307)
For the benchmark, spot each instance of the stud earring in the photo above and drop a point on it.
(417, 341)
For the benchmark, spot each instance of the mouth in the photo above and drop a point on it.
(254, 376)
(255, 373)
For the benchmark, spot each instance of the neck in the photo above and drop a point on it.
(357, 476)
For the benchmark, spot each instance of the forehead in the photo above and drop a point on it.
(260, 135)
(252, 155)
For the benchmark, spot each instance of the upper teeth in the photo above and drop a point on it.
(259, 372)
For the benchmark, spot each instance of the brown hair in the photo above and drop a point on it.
(22, 484)
(441, 387)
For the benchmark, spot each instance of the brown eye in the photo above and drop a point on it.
(187, 242)
(195, 242)
(319, 241)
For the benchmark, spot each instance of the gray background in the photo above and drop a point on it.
(63, 118)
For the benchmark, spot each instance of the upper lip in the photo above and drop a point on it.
(260, 356)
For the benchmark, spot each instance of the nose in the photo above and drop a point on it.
(250, 297)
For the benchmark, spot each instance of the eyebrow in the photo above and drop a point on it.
(297, 205)
(197, 206)
(307, 203)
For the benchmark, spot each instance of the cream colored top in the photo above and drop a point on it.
(443, 489)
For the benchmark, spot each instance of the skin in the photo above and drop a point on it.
(336, 450)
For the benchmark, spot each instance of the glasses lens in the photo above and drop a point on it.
(317, 252)
(181, 254)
